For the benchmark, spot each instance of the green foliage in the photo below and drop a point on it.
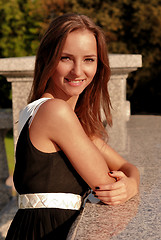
(19, 27)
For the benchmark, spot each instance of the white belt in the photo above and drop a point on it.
(50, 200)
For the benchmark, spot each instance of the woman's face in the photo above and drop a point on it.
(77, 66)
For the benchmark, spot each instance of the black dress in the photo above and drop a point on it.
(38, 172)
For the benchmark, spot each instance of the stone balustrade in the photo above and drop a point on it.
(19, 71)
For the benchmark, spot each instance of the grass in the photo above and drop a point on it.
(9, 145)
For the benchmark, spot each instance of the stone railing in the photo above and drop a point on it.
(19, 71)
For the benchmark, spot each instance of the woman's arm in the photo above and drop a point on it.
(126, 174)
(60, 125)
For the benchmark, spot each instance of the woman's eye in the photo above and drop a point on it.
(89, 60)
(65, 58)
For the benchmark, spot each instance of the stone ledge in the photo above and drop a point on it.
(99, 221)
(138, 218)
(125, 60)
(26, 64)
(17, 64)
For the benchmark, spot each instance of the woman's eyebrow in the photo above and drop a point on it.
(91, 55)
(71, 55)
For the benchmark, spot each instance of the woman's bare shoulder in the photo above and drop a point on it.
(55, 104)
(56, 113)
(55, 108)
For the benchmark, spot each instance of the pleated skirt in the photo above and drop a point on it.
(41, 223)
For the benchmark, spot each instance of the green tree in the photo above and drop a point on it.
(20, 24)
(11, 29)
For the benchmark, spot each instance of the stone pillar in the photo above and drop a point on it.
(18, 71)
(121, 65)
(20, 91)
(5, 125)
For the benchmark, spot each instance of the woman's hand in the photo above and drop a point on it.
(119, 192)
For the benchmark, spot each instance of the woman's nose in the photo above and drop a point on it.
(77, 69)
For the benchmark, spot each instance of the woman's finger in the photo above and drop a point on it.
(109, 193)
(113, 200)
(110, 187)
(116, 174)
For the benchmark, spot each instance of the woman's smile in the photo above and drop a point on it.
(75, 82)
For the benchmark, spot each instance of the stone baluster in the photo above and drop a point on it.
(5, 125)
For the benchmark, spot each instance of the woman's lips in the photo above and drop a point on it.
(73, 82)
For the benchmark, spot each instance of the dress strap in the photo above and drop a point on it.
(28, 112)
(34, 112)
(50, 200)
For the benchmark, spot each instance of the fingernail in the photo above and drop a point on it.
(95, 195)
(93, 192)
(97, 188)
(111, 172)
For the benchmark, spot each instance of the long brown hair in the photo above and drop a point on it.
(95, 97)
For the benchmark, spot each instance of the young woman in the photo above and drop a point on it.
(61, 152)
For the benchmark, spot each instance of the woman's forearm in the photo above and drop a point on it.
(127, 175)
